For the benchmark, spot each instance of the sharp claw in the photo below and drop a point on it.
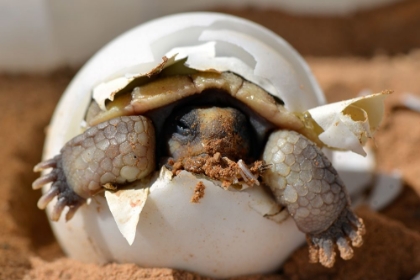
(355, 236)
(43, 180)
(361, 229)
(357, 222)
(313, 250)
(346, 252)
(327, 253)
(72, 211)
(313, 254)
(356, 239)
(51, 163)
(58, 209)
(47, 197)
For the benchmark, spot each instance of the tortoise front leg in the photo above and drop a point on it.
(109, 154)
(303, 180)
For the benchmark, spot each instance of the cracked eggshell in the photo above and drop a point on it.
(222, 235)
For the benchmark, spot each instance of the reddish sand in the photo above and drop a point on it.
(28, 249)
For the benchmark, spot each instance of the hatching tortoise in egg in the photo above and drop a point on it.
(214, 124)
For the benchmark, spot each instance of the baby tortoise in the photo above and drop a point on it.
(216, 124)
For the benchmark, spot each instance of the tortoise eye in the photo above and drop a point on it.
(183, 128)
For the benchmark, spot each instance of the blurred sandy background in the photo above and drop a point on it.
(374, 49)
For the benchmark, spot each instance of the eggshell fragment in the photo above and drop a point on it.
(126, 206)
(348, 124)
(222, 44)
(219, 236)
(107, 90)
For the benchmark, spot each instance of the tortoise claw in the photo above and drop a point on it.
(347, 228)
(59, 188)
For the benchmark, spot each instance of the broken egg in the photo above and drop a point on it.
(182, 219)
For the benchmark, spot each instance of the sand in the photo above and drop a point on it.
(28, 249)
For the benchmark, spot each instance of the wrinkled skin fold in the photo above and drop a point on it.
(121, 150)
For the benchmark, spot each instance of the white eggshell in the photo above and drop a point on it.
(222, 235)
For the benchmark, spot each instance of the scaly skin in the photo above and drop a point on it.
(109, 154)
(303, 179)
